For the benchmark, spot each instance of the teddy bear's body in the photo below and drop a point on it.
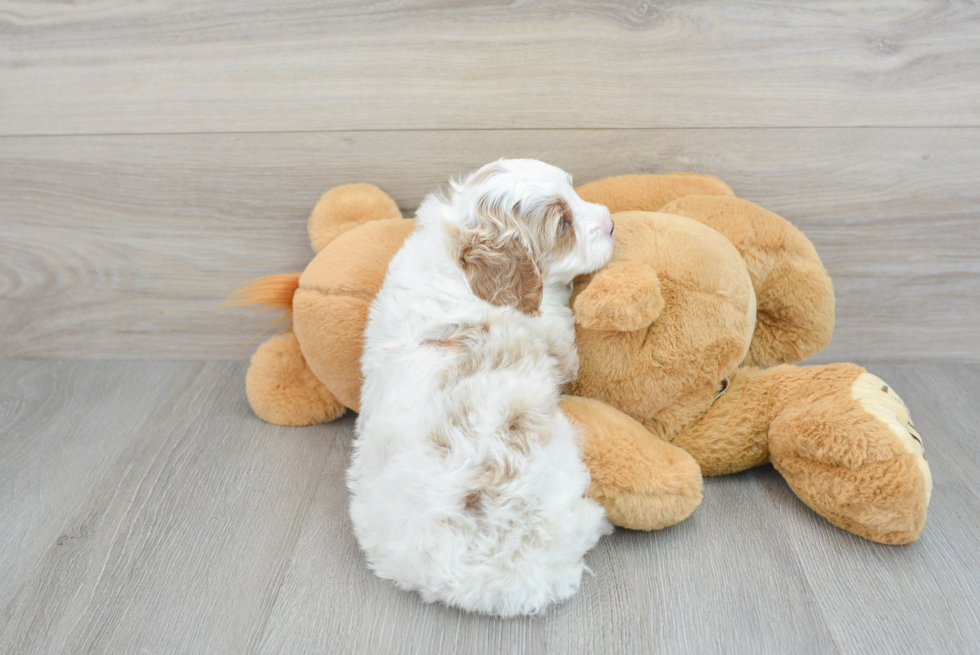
(669, 334)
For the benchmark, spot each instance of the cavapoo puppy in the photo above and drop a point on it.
(466, 479)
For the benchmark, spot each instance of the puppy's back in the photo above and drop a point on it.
(467, 483)
(480, 528)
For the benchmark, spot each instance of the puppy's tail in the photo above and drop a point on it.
(269, 292)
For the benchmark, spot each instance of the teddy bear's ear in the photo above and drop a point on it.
(624, 296)
(346, 207)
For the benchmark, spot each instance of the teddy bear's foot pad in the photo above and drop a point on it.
(878, 398)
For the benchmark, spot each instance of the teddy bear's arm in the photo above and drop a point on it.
(643, 483)
(623, 296)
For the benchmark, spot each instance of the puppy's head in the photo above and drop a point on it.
(517, 225)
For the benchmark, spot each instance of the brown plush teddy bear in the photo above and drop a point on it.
(703, 289)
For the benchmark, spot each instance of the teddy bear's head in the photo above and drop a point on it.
(660, 328)
(707, 284)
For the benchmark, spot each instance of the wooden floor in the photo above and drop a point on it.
(146, 510)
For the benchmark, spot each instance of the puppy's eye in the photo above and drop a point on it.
(562, 225)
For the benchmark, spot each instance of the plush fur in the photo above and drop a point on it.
(282, 389)
(346, 207)
(793, 291)
(643, 482)
(664, 371)
(467, 481)
(330, 307)
(739, 286)
(623, 193)
(636, 302)
(842, 438)
(854, 461)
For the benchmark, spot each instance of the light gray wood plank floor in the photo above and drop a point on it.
(143, 508)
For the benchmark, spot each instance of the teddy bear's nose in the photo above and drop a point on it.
(608, 226)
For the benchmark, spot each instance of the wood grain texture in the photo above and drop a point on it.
(122, 247)
(220, 65)
(213, 532)
(182, 545)
(62, 425)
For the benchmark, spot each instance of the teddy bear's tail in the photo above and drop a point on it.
(269, 292)
(280, 386)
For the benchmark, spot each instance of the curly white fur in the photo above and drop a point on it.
(467, 480)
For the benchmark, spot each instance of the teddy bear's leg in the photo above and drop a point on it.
(733, 434)
(649, 192)
(846, 445)
(345, 207)
(281, 388)
(643, 483)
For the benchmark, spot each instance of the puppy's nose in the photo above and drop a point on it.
(608, 226)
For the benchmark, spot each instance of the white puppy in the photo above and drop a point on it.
(467, 480)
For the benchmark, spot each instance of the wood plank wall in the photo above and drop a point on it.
(153, 157)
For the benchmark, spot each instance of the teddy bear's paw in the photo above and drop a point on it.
(879, 399)
(855, 458)
(282, 389)
(642, 482)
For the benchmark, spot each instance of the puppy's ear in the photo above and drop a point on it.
(622, 297)
(501, 271)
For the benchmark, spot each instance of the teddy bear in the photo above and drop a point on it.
(688, 342)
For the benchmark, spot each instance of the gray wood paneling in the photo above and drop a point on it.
(124, 246)
(221, 65)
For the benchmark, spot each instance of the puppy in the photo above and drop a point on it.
(466, 479)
